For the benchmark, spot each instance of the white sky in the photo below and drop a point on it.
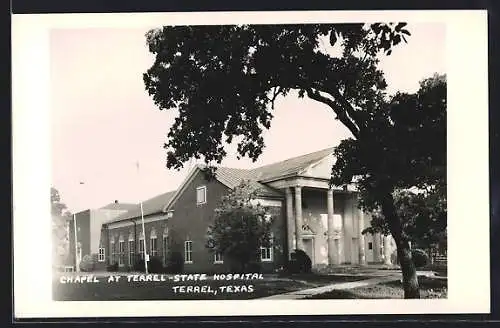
(103, 120)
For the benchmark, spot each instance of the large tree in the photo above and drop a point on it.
(224, 81)
(400, 171)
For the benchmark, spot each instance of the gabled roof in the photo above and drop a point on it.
(232, 177)
(119, 206)
(291, 166)
(151, 206)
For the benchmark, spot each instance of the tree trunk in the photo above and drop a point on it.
(409, 272)
(410, 281)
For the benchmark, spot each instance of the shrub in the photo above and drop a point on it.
(299, 262)
(139, 265)
(87, 264)
(155, 265)
(175, 262)
(420, 258)
(112, 267)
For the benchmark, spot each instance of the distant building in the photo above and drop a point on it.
(324, 222)
(88, 229)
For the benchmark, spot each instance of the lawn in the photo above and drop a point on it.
(213, 290)
(429, 288)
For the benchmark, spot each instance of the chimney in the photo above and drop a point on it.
(116, 201)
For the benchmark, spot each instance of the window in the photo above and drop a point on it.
(188, 251)
(201, 195)
(153, 246)
(164, 246)
(101, 255)
(131, 251)
(370, 245)
(141, 247)
(113, 252)
(266, 253)
(121, 251)
(218, 258)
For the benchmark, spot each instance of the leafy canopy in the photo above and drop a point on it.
(405, 156)
(60, 237)
(406, 148)
(240, 226)
(224, 79)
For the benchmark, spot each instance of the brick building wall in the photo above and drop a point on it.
(189, 221)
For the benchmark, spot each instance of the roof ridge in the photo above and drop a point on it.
(293, 158)
(278, 162)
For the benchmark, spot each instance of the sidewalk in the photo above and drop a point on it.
(324, 289)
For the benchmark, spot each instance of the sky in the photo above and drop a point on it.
(103, 120)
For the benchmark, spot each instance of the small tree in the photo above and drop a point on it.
(424, 219)
(240, 227)
(60, 238)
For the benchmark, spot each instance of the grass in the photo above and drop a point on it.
(124, 290)
(429, 288)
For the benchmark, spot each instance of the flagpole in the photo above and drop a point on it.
(144, 241)
(143, 231)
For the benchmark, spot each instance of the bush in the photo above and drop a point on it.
(420, 258)
(299, 262)
(139, 265)
(87, 264)
(155, 265)
(112, 267)
(175, 262)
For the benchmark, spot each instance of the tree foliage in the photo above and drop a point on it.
(408, 137)
(407, 154)
(60, 238)
(423, 215)
(240, 227)
(224, 79)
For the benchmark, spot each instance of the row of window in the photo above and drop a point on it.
(119, 254)
(266, 253)
(201, 198)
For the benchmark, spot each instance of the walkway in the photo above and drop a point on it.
(324, 289)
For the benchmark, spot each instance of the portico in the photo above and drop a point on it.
(323, 221)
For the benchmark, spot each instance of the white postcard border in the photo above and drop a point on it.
(468, 225)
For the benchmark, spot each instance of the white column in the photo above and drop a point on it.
(289, 219)
(298, 218)
(361, 237)
(376, 247)
(332, 255)
(387, 250)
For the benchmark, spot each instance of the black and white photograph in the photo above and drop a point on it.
(222, 158)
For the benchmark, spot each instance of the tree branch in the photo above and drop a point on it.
(340, 111)
(348, 108)
(276, 92)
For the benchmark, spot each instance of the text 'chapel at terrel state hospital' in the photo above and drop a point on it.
(324, 222)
